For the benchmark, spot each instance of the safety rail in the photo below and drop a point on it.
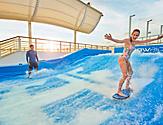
(21, 43)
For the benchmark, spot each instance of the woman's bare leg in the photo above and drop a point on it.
(123, 66)
(130, 72)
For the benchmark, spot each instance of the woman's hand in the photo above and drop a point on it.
(109, 37)
(159, 37)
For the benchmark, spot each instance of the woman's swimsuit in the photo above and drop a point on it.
(128, 51)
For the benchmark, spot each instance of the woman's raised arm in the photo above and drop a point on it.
(148, 40)
(109, 37)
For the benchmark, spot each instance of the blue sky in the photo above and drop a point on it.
(114, 21)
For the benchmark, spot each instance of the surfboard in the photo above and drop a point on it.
(125, 91)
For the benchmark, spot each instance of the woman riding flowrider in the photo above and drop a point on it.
(129, 47)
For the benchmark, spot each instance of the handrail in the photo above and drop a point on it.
(21, 43)
(56, 40)
(8, 39)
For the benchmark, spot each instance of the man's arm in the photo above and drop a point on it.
(27, 55)
(37, 57)
(148, 40)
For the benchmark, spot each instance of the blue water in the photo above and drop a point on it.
(78, 89)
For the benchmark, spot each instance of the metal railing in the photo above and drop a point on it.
(21, 43)
(8, 46)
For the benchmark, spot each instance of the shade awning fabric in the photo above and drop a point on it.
(71, 14)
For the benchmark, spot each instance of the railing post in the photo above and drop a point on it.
(14, 45)
(0, 51)
(78, 46)
(19, 43)
(159, 41)
(112, 50)
(10, 50)
(60, 47)
(70, 47)
(35, 44)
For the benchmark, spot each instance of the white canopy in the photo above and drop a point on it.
(72, 14)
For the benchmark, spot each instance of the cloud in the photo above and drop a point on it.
(155, 12)
(12, 28)
(116, 16)
(112, 22)
(151, 10)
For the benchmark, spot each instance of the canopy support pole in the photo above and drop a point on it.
(30, 32)
(81, 23)
(31, 19)
(75, 40)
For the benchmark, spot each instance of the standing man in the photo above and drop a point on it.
(32, 59)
